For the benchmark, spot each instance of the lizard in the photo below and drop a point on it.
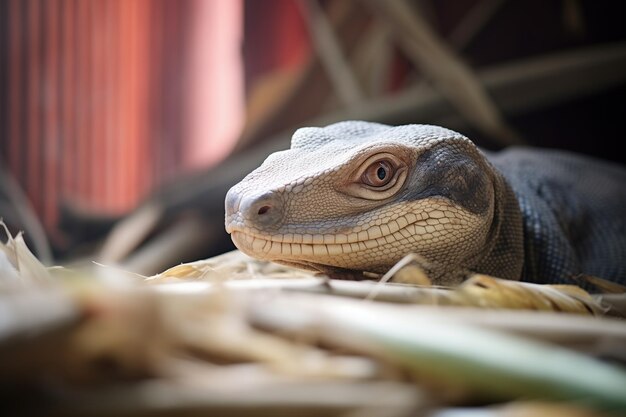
(355, 197)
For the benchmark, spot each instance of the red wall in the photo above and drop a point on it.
(106, 99)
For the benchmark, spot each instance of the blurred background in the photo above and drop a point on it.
(124, 122)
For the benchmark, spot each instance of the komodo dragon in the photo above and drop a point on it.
(357, 196)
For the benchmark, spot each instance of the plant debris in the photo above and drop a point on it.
(231, 336)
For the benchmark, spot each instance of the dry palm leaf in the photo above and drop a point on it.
(486, 291)
(237, 271)
(175, 398)
(487, 363)
(131, 331)
(616, 304)
(592, 334)
(490, 292)
(18, 266)
(602, 285)
(538, 409)
(114, 329)
(214, 326)
(232, 265)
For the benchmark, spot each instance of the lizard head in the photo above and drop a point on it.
(358, 196)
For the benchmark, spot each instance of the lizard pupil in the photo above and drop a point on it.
(378, 174)
(381, 173)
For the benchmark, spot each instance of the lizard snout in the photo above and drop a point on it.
(260, 211)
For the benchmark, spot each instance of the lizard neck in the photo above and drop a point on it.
(503, 255)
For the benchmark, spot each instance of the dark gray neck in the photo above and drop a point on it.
(504, 253)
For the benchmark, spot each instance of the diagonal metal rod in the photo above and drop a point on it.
(449, 73)
(329, 51)
(473, 23)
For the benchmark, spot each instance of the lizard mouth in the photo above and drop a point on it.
(274, 247)
(321, 248)
(312, 257)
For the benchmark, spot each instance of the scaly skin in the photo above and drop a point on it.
(320, 205)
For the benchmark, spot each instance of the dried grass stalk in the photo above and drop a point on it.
(478, 291)
(491, 364)
(230, 266)
(18, 266)
(490, 292)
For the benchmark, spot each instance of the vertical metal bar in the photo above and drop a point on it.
(110, 115)
(143, 74)
(51, 108)
(95, 98)
(155, 93)
(122, 157)
(82, 27)
(171, 83)
(15, 95)
(33, 94)
(69, 155)
(131, 97)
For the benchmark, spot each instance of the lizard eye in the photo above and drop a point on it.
(378, 174)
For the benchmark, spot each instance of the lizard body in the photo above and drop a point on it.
(358, 196)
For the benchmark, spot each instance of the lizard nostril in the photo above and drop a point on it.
(262, 210)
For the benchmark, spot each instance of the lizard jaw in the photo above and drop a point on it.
(374, 249)
(245, 242)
